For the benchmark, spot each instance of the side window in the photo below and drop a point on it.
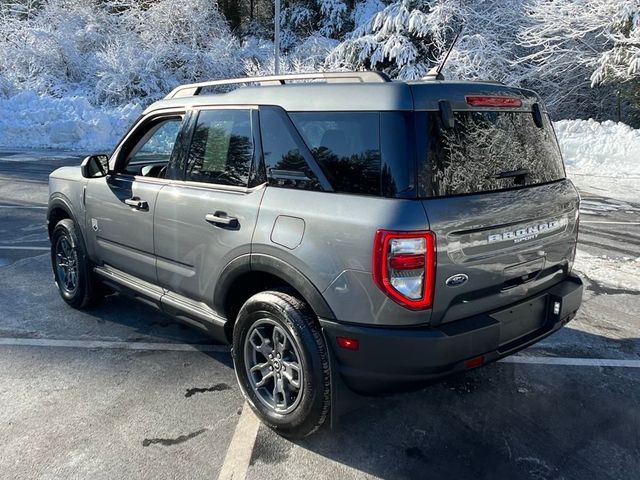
(283, 157)
(150, 155)
(221, 149)
(347, 147)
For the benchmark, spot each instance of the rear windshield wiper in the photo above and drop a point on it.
(519, 176)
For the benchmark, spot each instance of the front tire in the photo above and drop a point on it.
(71, 268)
(282, 364)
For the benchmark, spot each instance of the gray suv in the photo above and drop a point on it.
(344, 232)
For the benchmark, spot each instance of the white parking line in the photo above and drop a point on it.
(609, 223)
(573, 362)
(194, 347)
(20, 247)
(177, 347)
(236, 461)
(23, 206)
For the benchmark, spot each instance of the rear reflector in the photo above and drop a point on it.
(407, 262)
(474, 362)
(348, 343)
(487, 101)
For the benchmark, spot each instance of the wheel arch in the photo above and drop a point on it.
(250, 274)
(58, 209)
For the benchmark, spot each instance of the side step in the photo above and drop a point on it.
(196, 314)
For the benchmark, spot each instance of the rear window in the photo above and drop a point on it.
(481, 148)
(346, 146)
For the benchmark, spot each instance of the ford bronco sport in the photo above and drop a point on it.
(338, 229)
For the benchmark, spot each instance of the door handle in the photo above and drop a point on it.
(218, 219)
(136, 203)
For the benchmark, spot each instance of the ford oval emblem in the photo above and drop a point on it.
(457, 280)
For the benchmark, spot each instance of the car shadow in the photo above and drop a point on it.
(504, 420)
(143, 323)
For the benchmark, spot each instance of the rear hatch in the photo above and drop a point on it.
(493, 186)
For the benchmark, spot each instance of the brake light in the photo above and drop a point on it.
(488, 101)
(404, 266)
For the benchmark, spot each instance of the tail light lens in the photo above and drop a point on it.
(404, 266)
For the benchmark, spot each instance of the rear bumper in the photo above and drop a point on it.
(389, 359)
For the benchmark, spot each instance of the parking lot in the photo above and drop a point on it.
(121, 391)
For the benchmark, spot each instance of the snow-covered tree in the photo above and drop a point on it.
(403, 39)
(583, 56)
(565, 40)
(621, 61)
(118, 50)
(487, 48)
(168, 43)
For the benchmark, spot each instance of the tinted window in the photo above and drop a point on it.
(482, 147)
(153, 151)
(397, 143)
(283, 156)
(346, 145)
(221, 149)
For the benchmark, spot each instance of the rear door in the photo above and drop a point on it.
(495, 194)
(120, 207)
(206, 218)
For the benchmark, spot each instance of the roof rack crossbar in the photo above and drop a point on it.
(362, 77)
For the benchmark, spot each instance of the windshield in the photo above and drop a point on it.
(485, 151)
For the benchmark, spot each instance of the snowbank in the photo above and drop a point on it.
(592, 148)
(71, 123)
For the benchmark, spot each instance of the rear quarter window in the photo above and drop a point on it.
(346, 145)
(470, 157)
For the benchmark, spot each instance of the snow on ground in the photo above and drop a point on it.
(626, 189)
(619, 273)
(607, 149)
(71, 123)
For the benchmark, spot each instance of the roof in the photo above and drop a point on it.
(340, 91)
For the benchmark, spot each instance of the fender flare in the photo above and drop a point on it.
(258, 262)
(58, 200)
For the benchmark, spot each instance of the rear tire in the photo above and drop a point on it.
(282, 364)
(71, 267)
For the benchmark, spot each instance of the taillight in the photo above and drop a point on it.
(493, 101)
(404, 266)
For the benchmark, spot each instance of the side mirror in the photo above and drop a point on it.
(95, 166)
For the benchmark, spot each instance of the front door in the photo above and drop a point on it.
(120, 206)
(208, 219)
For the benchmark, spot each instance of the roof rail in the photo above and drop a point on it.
(362, 77)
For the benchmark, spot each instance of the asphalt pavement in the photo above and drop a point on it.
(122, 391)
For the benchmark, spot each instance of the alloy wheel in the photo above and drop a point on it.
(273, 365)
(67, 265)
